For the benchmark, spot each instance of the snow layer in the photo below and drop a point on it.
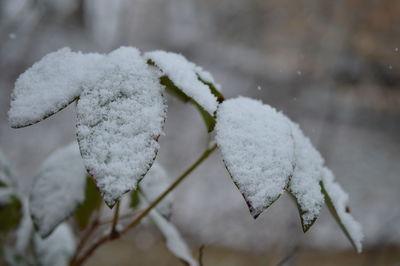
(340, 200)
(50, 85)
(119, 120)
(305, 181)
(175, 242)
(258, 150)
(56, 249)
(154, 183)
(183, 74)
(58, 189)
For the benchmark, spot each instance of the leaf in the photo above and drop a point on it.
(10, 205)
(184, 74)
(174, 240)
(135, 199)
(304, 185)
(57, 248)
(50, 85)
(6, 174)
(336, 200)
(14, 258)
(91, 203)
(154, 183)
(170, 87)
(257, 148)
(213, 88)
(10, 215)
(58, 189)
(25, 229)
(119, 120)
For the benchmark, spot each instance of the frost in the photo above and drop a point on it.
(305, 182)
(258, 150)
(175, 242)
(185, 75)
(58, 189)
(339, 199)
(120, 118)
(154, 183)
(56, 249)
(50, 85)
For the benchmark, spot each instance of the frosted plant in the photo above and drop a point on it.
(121, 110)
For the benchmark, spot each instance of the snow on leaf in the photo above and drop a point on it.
(337, 201)
(25, 229)
(58, 189)
(57, 248)
(6, 175)
(154, 183)
(304, 184)
(120, 118)
(174, 240)
(50, 85)
(185, 75)
(7, 184)
(258, 150)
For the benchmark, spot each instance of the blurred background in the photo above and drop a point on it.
(332, 66)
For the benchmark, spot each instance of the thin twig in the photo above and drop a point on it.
(114, 232)
(139, 218)
(85, 238)
(201, 253)
(146, 211)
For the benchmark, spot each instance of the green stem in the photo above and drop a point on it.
(114, 232)
(146, 211)
(169, 189)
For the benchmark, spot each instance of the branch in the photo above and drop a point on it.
(146, 211)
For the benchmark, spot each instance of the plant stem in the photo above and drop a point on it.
(169, 189)
(85, 238)
(114, 233)
(146, 211)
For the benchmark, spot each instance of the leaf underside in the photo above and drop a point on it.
(91, 203)
(332, 209)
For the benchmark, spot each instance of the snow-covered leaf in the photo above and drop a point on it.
(15, 258)
(25, 229)
(91, 203)
(57, 248)
(337, 201)
(50, 85)
(174, 241)
(170, 87)
(58, 189)
(185, 75)
(257, 147)
(154, 183)
(120, 118)
(305, 182)
(6, 175)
